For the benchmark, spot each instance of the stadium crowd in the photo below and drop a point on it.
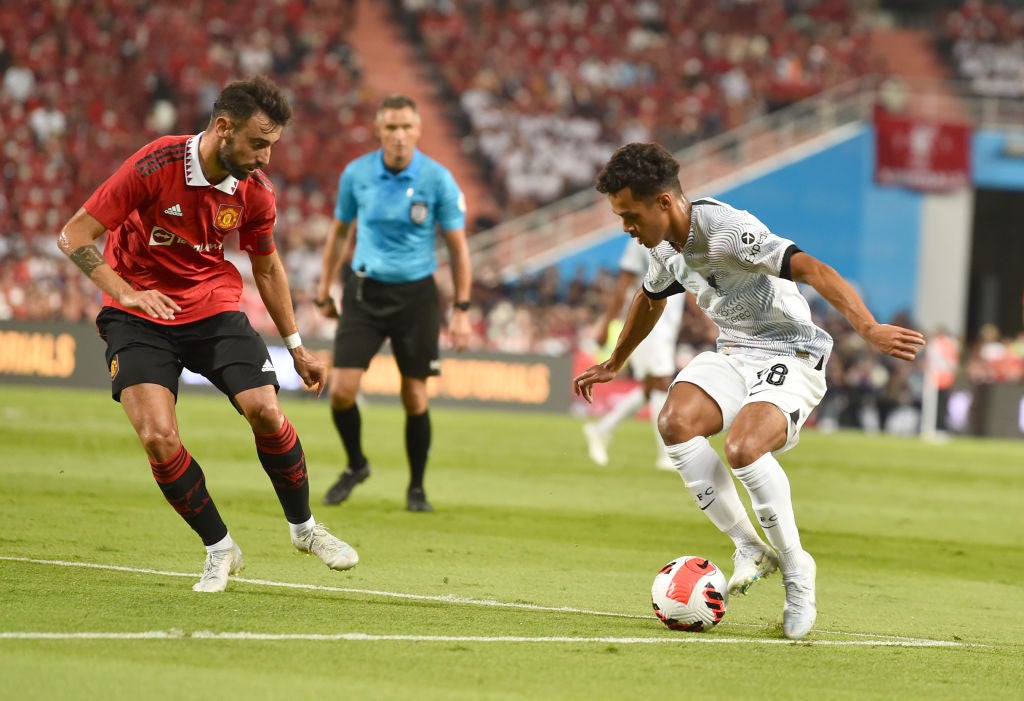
(984, 42)
(545, 89)
(550, 87)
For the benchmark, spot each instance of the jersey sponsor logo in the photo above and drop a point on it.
(748, 238)
(227, 216)
(418, 212)
(160, 236)
(174, 210)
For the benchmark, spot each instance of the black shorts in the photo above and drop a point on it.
(224, 348)
(404, 312)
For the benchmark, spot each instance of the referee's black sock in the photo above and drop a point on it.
(417, 446)
(350, 427)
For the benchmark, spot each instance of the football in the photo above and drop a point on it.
(690, 593)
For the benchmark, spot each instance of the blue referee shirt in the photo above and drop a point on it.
(397, 214)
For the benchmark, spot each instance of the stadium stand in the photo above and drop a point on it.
(549, 87)
(538, 91)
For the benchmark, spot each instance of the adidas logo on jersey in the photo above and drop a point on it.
(174, 210)
(268, 366)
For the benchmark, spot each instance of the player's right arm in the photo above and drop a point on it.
(78, 242)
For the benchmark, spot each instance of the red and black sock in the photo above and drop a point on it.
(184, 486)
(284, 462)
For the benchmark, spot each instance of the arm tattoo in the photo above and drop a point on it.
(88, 258)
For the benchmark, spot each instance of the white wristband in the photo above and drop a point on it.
(292, 341)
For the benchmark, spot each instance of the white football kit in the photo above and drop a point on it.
(769, 349)
(655, 356)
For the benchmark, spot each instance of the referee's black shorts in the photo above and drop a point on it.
(224, 348)
(404, 312)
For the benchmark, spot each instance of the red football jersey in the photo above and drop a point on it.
(167, 226)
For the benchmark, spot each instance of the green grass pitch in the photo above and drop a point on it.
(531, 580)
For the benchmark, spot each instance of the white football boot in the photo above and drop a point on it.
(799, 611)
(752, 563)
(597, 444)
(219, 564)
(335, 553)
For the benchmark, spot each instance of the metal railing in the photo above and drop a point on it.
(533, 240)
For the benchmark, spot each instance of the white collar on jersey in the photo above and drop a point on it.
(194, 172)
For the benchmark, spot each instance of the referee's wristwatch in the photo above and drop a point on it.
(461, 306)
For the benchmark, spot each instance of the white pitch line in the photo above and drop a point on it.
(367, 637)
(445, 598)
(873, 639)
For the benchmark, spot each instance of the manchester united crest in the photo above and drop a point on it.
(113, 368)
(418, 212)
(227, 216)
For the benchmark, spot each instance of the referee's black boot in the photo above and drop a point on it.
(346, 483)
(416, 500)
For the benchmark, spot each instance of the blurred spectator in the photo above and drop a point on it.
(550, 87)
(83, 83)
(943, 364)
(985, 43)
(993, 358)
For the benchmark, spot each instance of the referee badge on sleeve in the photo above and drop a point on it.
(418, 212)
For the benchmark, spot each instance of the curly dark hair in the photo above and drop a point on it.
(647, 169)
(241, 99)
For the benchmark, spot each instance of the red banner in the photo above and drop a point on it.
(920, 154)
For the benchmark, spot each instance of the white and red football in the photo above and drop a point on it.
(690, 593)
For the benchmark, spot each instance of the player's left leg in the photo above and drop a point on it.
(281, 455)
(702, 402)
(784, 393)
(228, 351)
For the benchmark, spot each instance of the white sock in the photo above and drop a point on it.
(300, 529)
(768, 486)
(711, 485)
(654, 404)
(225, 543)
(624, 408)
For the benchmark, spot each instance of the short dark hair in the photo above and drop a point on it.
(646, 169)
(241, 99)
(397, 102)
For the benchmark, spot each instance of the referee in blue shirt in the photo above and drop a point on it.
(397, 198)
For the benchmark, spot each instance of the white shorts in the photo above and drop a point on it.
(733, 381)
(655, 356)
